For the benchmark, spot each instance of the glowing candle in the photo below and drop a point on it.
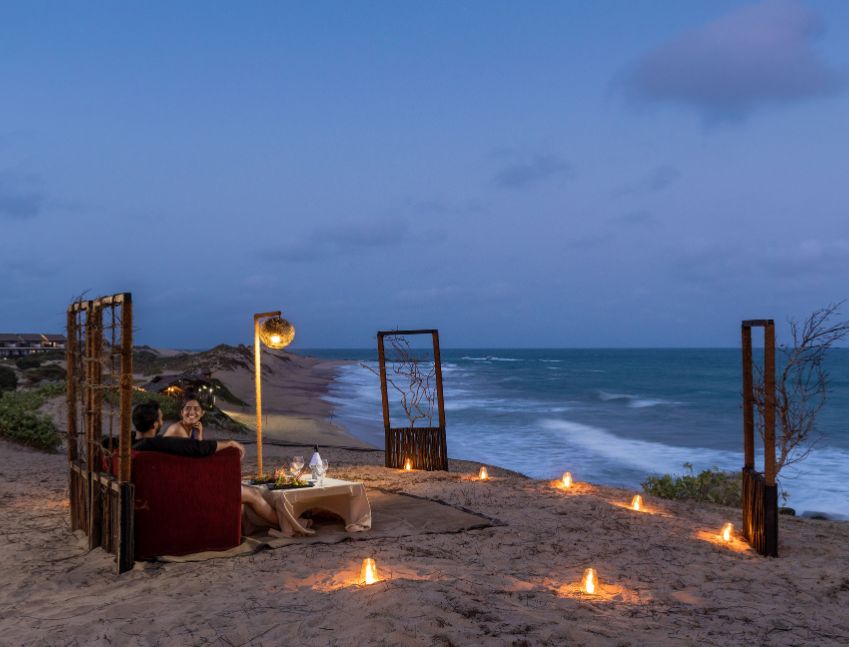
(408, 465)
(567, 479)
(637, 503)
(483, 475)
(368, 573)
(726, 532)
(590, 582)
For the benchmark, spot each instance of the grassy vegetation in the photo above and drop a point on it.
(8, 379)
(46, 373)
(713, 486)
(21, 422)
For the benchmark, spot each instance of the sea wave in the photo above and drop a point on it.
(490, 358)
(650, 457)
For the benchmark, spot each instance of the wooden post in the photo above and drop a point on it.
(748, 400)
(125, 442)
(437, 363)
(258, 387)
(769, 402)
(384, 396)
(71, 383)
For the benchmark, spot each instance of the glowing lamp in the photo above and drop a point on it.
(408, 465)
(589, 583)
(567, 480)
(368, 573)
(726, 532)
(483, 475)
(275, 332)
(637, 503)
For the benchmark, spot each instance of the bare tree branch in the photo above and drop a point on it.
(801, 386)
(411, 380)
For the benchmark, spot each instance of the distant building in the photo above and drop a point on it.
(18, 344)
(201, 384)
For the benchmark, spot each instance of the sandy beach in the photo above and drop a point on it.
(666, 578)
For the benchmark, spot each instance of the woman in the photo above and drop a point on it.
(189, 425)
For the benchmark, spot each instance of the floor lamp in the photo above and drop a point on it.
(275, 332)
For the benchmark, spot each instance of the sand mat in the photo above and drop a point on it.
(393, 515)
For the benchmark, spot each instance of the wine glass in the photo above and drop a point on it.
(297, 465)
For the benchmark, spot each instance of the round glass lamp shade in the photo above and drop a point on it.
(276, 332)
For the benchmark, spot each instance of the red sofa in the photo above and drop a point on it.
(186, 505)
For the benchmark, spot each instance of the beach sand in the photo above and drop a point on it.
(666, 579)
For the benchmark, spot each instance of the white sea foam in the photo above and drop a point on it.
(640, 454)
(490, 358)
(640, 403)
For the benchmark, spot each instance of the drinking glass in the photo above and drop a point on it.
(321, 470)
(297, 464)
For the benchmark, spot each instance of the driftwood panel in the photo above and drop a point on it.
(425, 447)
(760, 513)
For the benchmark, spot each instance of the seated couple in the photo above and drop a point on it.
(185, 438)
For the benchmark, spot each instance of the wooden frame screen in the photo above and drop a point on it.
(425, 447)
(100, 380)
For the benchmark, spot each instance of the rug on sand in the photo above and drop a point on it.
(393, 515)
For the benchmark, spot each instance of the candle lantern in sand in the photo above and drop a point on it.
(368, 572)
(408, 465)
(566, 481)
(637, 503)
(727, 529)
(275, 332)
(483, 475)
(589, 583)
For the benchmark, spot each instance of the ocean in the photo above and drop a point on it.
(611, 416)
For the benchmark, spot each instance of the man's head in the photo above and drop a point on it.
(147, 417)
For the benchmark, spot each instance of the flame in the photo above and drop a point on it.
(637, 503)
(483, 475)
(368, 573)
(567, 479)
(408, 465)
(726, 532)
(590, 581)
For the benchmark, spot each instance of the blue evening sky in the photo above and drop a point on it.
(607, 173)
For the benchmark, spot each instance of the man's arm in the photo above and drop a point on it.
(226, 444)
(178, 446)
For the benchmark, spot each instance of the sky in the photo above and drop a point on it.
(549, 174)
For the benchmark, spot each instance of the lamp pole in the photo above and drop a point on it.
(258, 381)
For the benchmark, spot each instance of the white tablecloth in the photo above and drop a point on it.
(346, 499)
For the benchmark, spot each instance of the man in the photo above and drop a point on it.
(147, 420)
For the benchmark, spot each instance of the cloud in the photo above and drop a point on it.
(640, 218)
(20, 197)
(755, 56)
(519, 175)
(343, 238)
(659, 179)
(662, 177)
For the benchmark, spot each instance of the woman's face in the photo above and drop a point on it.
(191, 412)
